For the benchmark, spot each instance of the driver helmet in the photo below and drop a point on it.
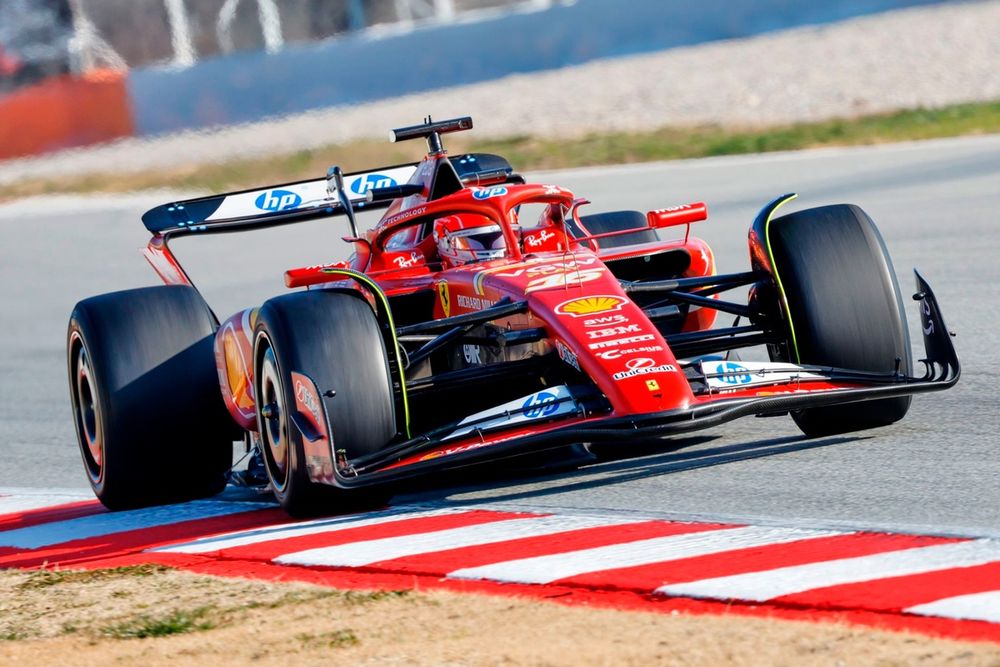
(466, 238)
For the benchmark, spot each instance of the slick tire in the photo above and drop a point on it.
(614, 221)
(844, 308)
(333, 338)
(150, 420)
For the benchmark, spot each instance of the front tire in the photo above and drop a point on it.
(844, 308)
(333, 338)
(150, 420)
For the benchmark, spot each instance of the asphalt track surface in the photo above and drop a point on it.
(935, 472)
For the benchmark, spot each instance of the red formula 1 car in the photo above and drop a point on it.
(481, 318)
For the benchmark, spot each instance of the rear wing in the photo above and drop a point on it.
(301, 200)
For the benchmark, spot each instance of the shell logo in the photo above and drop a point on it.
(590, 305)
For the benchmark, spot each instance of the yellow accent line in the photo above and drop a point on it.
(371, 284)
(777, 278)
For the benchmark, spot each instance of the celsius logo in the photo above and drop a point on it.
(541, 404)
(731, 369)
(278, 200)
(363, 184)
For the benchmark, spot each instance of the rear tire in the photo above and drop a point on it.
(333, 338)
(614, 221)
(844, 306)
(150, 420)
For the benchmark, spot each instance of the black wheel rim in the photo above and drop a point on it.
(87, 409)
(272, 419)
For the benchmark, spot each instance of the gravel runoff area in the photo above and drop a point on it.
(921, 57)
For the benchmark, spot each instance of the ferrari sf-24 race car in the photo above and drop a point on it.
(481, 318)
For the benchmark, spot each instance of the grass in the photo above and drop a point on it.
(533, 153)
(45, 578)
(173, 623)
(335, 639)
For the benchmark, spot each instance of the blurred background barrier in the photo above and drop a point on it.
(195, 64)
(63, 112)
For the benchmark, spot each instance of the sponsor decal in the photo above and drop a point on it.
(540, 405)
(308, 399)
(552, 190)
(600, 345)
(674, 209)
(642, 366)
(472, 353)
(533, 266)
(550, 402)
(489, 193)
(278, 200)
(735, 373)
(407, 262)
(473, 302)
(730, 375)
(363, 184)
(442, 288)
(606, 321)
(925, 308)
(331, 265)
(590, 305)
(405, 215)
(564, 279)
(614, 331)
(567, 355)
(611, 355)
(537, 240)
(457, 450)
(237, 374)
(544, 269)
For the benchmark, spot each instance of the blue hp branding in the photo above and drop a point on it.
(730, 367)
(278, 200)
(486, 193)
(541, 404)
(368, 182)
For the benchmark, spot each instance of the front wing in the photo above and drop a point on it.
(423, 455)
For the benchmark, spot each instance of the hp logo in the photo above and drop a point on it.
(541, 404)
(278, 200)
(487, 193)
(368, 182)
(730, 367)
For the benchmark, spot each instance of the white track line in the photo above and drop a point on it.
(544, 569)
(24, 503)
(299, 529)
(761, 586)
(972, 607)
(34, 537)
(371, 551)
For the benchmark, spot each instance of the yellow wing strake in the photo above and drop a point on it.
(777, 278)
(377, 291)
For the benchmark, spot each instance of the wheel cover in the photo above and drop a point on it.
(274, 424)
(87, 408)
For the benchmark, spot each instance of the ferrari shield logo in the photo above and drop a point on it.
(445, 298)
